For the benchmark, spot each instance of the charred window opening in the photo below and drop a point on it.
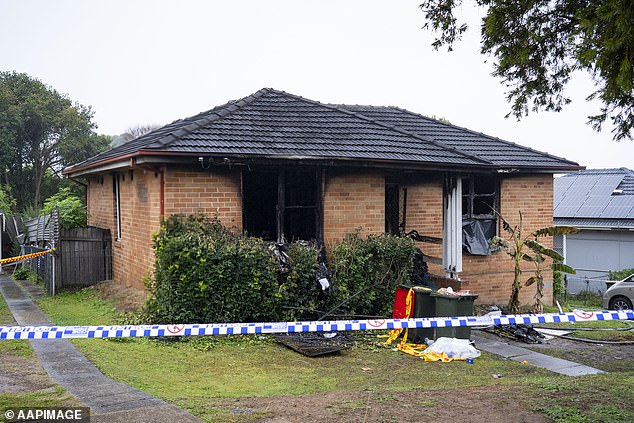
(282, 206)
(391, 209)
(300, 205)
(479, 197)
(480, 194)
(395, 208)
(260, 202)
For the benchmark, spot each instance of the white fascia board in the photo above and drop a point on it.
(99, 169)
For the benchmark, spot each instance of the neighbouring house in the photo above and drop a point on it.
(600, 203)
(283, 167)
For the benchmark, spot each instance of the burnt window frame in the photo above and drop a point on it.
(471, 197)
(395, 207)
(282, 209)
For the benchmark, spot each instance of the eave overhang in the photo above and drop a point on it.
(157, 158)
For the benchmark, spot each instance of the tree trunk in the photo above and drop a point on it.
(514, 301)
(37, 179)
(539, 294)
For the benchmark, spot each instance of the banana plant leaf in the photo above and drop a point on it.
(496, 241)
(560, 267)
(532, 280)
(539, 248)
(556, 230)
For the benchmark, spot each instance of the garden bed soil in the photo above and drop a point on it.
(493, 403)
(124, 298)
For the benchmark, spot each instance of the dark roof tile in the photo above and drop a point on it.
(270, 123)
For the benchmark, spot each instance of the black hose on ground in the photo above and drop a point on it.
(629, 327)
(594, 341)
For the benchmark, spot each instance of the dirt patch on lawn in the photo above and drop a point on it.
(22, 374)
(124, 298)
(20, 370)
(464, 405)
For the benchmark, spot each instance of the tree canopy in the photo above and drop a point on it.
(538, 44)
(41, 132)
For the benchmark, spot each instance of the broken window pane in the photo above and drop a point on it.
(484, 184)
(300, 224)
(300, 205)
(483, 205)
(300, 189)
(479, 197)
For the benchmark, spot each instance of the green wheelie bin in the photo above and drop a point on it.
(453, 306)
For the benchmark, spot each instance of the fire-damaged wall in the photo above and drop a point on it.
(491, 276)
(352, 200)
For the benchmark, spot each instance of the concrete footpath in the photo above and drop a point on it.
(512, 352)
(109, 401)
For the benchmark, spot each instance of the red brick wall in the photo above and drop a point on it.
(188, 192)
(100, 201)
(491, 277)
(215, 193)
(133, 257)
(351, 201)
(425, 213)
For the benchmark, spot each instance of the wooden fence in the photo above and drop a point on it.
(83, 256)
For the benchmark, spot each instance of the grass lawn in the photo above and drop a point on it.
(198, 374)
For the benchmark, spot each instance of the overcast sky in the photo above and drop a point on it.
(152, 62)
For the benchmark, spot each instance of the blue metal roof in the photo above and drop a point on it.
(600, 196)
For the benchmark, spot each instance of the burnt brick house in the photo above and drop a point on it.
(283, 167)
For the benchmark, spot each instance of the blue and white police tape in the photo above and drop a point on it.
(211, 329)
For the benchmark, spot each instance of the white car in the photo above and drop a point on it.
(620, 296)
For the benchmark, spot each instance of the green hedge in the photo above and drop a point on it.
(300, 292)
(367, 271)
(205, 272)
(620, 274)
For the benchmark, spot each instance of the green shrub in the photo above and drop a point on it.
(22, 273)
(620, 274)
(367, 271)
(72, 212)
(206, 273)
(300, 290)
